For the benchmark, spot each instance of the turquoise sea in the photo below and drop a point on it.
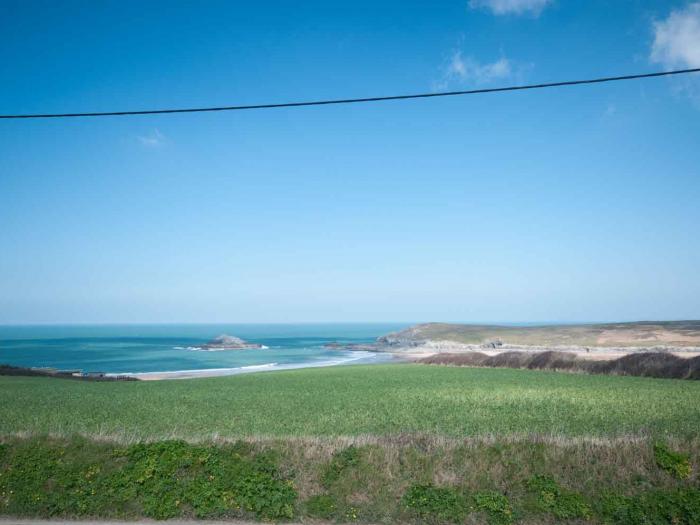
(166, 348)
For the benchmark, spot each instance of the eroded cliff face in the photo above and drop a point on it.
(418, 335)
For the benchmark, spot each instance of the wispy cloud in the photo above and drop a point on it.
(460, 70)
(677, 38)
(511, 7)
(153, 139)
(677, 45)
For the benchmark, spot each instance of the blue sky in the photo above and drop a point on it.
(577, 204)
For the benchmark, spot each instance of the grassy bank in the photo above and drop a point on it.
(405, 480)
(374, 400)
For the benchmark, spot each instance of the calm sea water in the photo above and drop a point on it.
(159, 348)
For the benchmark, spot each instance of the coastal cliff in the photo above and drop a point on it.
(648, 335)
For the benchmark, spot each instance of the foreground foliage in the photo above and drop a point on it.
(410, 480)
(157, 480)
(675, 463)
(561, 503)
(353, 401)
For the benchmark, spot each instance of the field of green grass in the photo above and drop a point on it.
(379, 400)
(400, 443)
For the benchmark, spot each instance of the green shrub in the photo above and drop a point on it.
(612, 508)
(49, 480)
(342, 461)
(436, 504)
(351, 513)
(675, 463)
(561, 503)
(678, 507)
(211, 481)
(158, 480)
(321, 506)
(496, 506)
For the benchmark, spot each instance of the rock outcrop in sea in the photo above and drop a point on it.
(229, 342)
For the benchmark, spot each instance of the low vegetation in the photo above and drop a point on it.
(643, 364)
(9, 370)
(675, 463)
(157, 480)
(563, 504)
(400, 480)
(376, 400)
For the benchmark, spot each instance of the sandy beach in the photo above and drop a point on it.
(364, 357)
(411, 354)
(595, 354)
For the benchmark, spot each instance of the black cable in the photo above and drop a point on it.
(354, 100)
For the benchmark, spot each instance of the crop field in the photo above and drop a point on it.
(378, 400)
(388, 444)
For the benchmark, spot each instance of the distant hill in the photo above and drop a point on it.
(647, 333)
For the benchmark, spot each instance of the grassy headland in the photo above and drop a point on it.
(639, 334)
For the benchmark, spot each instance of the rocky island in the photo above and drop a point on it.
(229, 342)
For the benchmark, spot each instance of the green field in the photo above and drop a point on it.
(377, 400)
(384, 444)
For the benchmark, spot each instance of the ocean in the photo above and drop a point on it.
(131, 349)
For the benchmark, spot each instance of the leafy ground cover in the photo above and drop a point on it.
(415, 480)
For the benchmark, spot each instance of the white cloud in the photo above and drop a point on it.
(465, 70)
(677, 46)
(677, 38)
(511, 7)
(154, 139)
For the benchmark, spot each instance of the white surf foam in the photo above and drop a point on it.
(348, 357)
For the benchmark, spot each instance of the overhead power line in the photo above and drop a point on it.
(352, 100)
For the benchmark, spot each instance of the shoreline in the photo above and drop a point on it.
(397, 355)
(590, 353)
(409, 355)
(366, 358)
